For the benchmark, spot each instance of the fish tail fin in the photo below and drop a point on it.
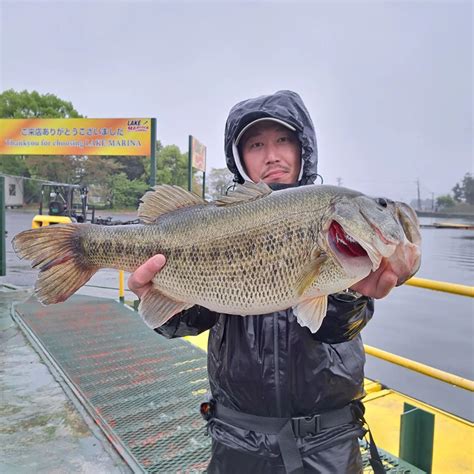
(55, 251)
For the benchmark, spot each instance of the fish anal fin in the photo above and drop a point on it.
(310, 271)
(163, 199)
(244, 193)
(311, 312)
(155, 308)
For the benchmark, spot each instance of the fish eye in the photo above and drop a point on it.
(382, 202)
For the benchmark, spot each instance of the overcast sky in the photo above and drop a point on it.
(388, 84)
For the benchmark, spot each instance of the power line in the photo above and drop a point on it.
(46, 181)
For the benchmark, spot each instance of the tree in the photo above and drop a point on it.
(468, 188)
(34, 105)
(218, 180)
(444, 202)
(126, 193)
(13, 165)
(172, 166)
(457, 193)
(132, 166)
(58, 168)
(464, 191)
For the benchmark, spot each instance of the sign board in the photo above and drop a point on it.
(198, 155)
(76, 136)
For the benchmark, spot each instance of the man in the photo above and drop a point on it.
(282, 395)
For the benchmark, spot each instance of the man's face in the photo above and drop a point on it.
(271, 153)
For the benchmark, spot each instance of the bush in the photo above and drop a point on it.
(127, 193)
(445, 202)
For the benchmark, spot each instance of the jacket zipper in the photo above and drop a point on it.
(276, 360)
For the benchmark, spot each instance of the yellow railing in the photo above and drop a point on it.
(421, 368)
(461, 382)
(463, 290)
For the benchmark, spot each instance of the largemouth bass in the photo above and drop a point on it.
(252, 252)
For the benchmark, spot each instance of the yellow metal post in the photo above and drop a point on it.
(121, 286)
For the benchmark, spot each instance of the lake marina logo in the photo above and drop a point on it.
(138, 125)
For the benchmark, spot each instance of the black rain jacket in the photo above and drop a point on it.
(268, 365)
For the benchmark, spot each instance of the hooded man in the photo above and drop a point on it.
(283, 399)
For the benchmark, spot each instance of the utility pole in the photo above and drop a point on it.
(432, 201)
(418, 193)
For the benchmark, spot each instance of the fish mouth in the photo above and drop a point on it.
(355, 258)
(343, 243)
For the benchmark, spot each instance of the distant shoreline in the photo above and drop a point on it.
(453, 214)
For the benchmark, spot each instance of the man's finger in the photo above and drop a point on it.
(385, 284)
(143, 275)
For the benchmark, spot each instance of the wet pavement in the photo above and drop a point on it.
(40, 428)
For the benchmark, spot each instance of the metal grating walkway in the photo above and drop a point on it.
(140, 388)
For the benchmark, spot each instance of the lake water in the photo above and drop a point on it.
(426, 326)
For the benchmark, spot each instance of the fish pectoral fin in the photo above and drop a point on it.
(164, 199)
(310, 313)
(156, 308)
(244, 193)
(310, 271)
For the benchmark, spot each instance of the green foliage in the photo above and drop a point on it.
(56, 168)
(132, 166)
(126, 193)
(446, 201)
(31, 191)
(464, 191)
(172, 166)
(97, 170)
(468, 188)
(34, 105)
(13, 165)
(457, 193)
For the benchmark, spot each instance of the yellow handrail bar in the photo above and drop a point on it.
(421, 368)
(455, 288)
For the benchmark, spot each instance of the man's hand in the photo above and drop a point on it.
(140, 280)
(377, 284)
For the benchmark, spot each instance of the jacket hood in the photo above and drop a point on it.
(282, 105)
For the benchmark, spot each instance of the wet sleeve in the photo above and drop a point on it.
(345, 318)
(191, 322)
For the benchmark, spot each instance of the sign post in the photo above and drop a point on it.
(153, 153)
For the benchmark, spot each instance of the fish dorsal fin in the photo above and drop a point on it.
(244, 193)
(163, 199)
